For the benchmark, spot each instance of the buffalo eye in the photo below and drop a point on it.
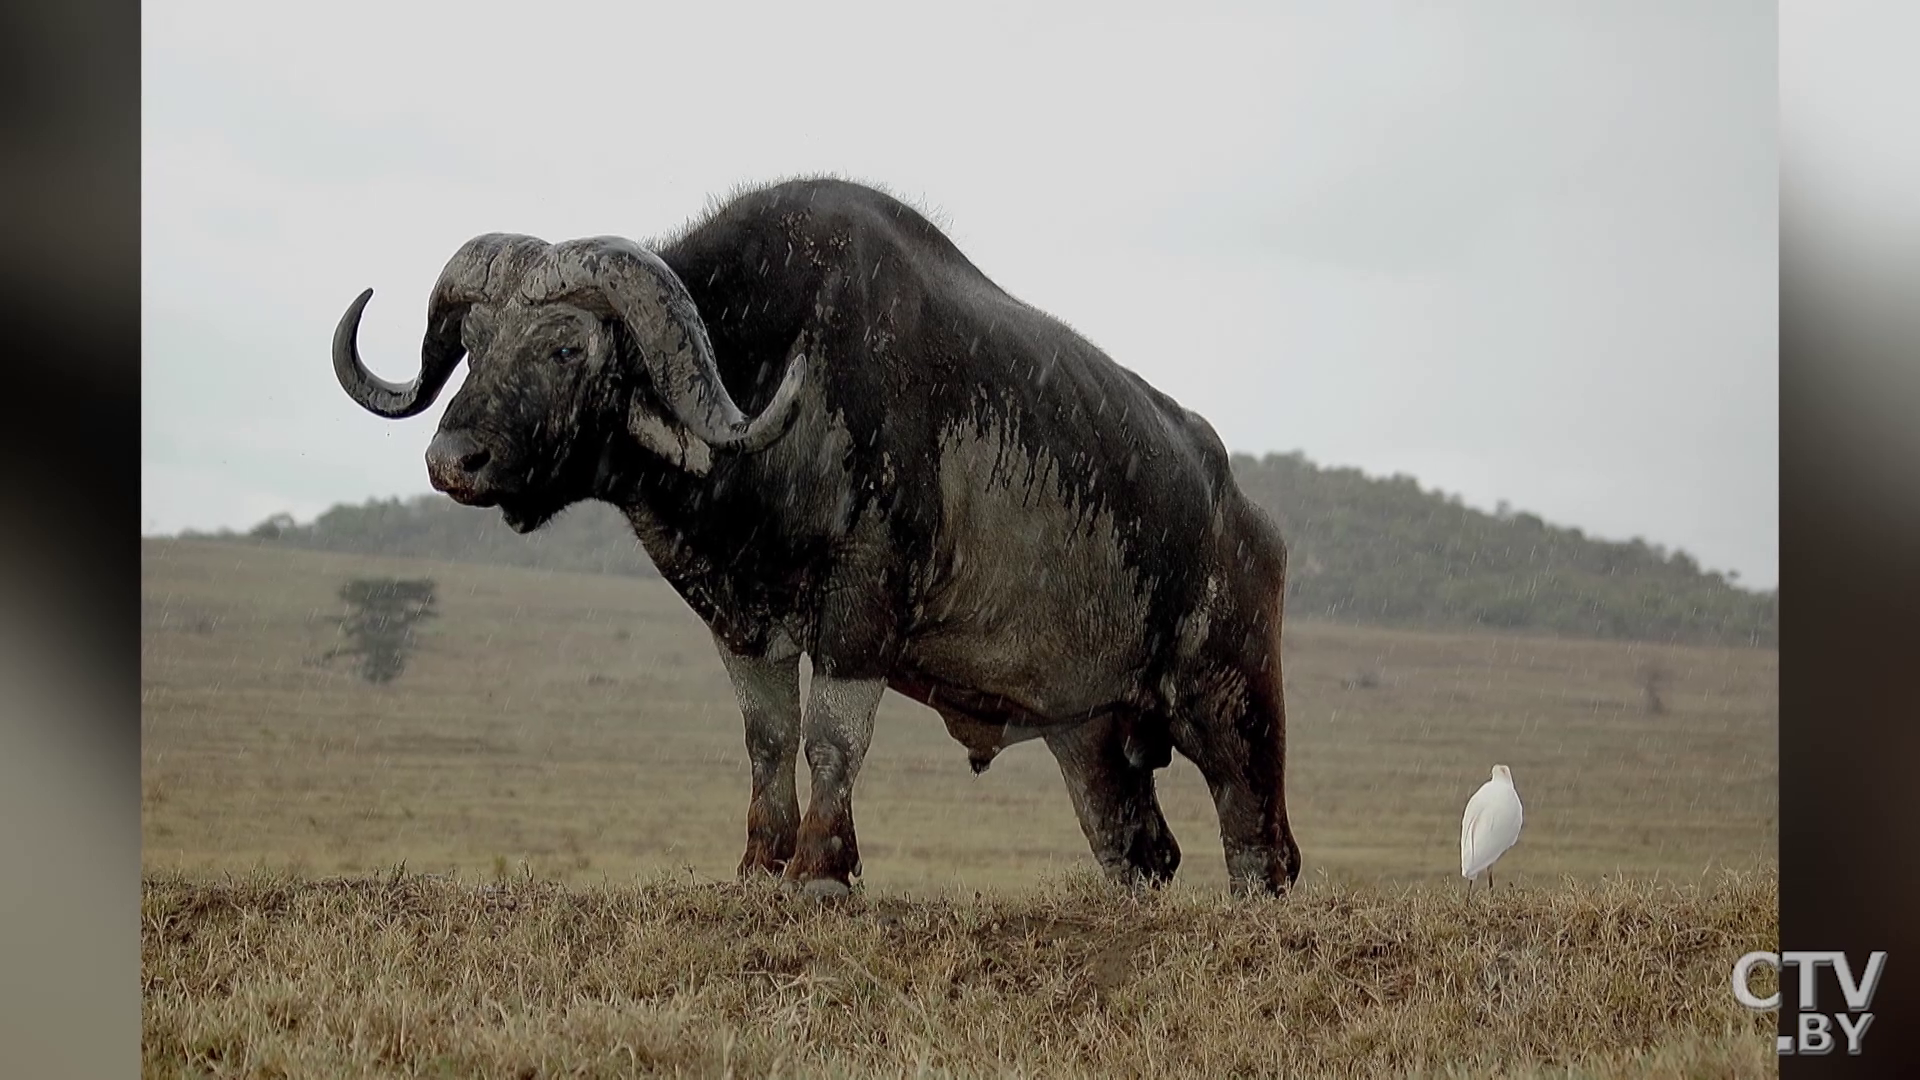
(566, 354)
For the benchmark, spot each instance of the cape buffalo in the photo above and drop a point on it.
(835, 436)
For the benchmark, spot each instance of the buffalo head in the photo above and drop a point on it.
(569, 347)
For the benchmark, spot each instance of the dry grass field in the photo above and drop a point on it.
(416, 976)
(564, 760)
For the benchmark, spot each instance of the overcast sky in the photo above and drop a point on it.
(1521, 251)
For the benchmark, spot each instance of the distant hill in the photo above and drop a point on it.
(1364, 549)
(589, 538)
(1368, 549)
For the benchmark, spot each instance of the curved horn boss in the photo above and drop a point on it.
(484, 269)
(674, 351)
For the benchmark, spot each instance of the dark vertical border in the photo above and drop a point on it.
(1850, 520)
(70, 994)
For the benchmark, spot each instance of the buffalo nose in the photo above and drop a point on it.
(454, 460)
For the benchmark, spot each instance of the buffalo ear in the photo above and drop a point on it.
(664, 435)
(672, 340)
(672, 441)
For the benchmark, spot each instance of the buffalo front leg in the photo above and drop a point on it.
(1115, 799)
(768, 689)
(839, 728)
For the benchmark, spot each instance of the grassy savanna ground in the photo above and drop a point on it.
(265, 976)
(583, 726)
(564, 741)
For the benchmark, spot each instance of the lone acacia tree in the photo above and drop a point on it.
(1654, 678)
(379, 625)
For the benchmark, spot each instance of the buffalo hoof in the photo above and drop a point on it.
(752, 869)
(825, 889)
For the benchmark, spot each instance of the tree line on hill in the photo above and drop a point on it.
(1364, 549)
(1382, 550)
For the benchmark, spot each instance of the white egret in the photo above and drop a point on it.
(1490, 827)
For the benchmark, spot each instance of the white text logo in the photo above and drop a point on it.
(1816, 1030)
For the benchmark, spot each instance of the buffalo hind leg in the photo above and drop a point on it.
(1243, 757)
(1115, 799)
(768, 690)
(839, 728)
